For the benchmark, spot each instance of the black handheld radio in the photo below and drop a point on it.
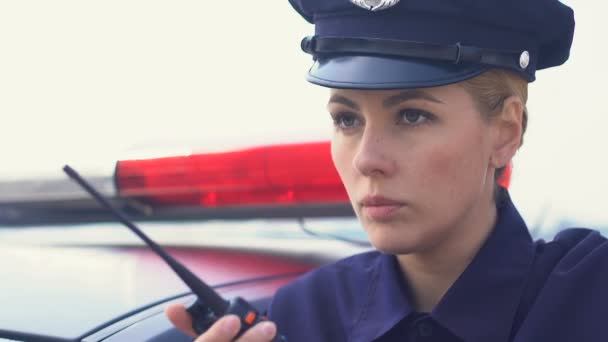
(209, 306)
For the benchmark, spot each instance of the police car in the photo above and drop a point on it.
(244, 221)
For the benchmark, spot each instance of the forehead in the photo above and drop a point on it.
(442, 94)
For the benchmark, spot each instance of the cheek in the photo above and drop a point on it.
(453, 166)
(342, 156)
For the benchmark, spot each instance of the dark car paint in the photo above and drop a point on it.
(152, 325)
(68, 292)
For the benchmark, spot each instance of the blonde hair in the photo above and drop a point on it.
(490, 89)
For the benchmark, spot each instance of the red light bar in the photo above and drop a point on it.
(505, 178)
(267, 175)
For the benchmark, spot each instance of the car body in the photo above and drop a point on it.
(88, 288)
(73, 274)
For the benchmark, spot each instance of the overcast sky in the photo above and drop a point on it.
(91, 82)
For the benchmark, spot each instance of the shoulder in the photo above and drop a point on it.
(581, 249)
(574, 292)
(348, 274)
(326, 299)
(577, 260)
(343, 271)
(574, 254)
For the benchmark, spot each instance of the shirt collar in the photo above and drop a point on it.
(479, 306)
(386, 303)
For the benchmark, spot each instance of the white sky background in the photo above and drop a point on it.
(91, 82)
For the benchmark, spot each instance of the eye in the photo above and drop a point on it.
(345, 120)
(414, 117)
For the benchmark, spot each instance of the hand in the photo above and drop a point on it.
(224, 330)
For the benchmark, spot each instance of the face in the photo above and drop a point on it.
(415, 163)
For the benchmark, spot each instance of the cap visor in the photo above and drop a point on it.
(375, 72)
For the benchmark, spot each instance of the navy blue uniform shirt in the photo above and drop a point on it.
(513, 290)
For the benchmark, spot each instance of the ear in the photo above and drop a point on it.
(508, 127)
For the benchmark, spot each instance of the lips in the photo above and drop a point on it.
(381, 208)
(379, 201)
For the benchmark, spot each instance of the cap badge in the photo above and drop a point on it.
(375, 5)
(524, 59)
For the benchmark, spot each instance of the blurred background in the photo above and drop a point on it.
(92, 82)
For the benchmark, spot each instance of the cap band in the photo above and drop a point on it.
(455, 53)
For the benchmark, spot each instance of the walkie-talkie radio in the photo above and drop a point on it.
(209, 306)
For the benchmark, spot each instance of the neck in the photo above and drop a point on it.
(432, 272)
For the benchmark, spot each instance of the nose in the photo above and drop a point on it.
(373, 156)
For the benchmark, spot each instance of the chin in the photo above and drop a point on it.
(395, 242)
(394, 249)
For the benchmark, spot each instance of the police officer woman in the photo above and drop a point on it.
(428, 100)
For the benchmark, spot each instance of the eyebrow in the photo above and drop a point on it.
(409, 95)
(335, 98)
(390, 101)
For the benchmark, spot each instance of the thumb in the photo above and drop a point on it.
(180, 318)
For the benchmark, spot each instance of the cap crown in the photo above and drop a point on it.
(544, 28)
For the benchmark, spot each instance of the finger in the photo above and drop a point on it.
(224, 330)
(261, 332)
(180, 318)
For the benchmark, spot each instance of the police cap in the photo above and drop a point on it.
(390, 44)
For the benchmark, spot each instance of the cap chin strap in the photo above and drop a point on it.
(456, 53)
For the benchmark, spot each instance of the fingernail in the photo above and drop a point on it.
(230, 324)
(268, 329)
